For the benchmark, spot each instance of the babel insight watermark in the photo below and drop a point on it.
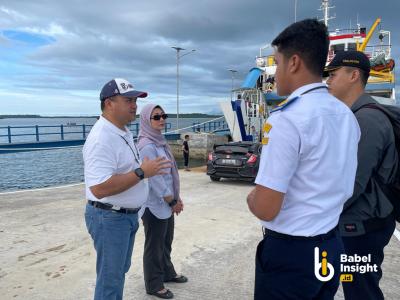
(357, 264)
(349, 264)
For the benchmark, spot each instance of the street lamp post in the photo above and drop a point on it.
(178, 56)
(233, 79)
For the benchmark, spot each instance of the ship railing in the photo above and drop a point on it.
(336, 32)
(370, 51)
(375, 50)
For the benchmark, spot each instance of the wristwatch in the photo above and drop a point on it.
(139, 173)
(173, 202)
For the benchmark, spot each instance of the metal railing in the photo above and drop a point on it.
(62, 131)
(211, 126)
(40, 133)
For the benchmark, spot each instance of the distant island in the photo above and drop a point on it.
(191, 116)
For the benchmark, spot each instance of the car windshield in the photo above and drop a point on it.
(231, 149)
(242, 148)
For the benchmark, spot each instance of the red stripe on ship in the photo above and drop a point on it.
(346, 36)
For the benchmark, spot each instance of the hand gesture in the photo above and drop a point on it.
(155, 166)
(178, 207)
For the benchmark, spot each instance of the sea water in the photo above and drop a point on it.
(38, 169)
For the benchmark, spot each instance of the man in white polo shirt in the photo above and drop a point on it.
(116, 186)
(307, 171)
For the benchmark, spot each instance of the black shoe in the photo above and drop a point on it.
(179, 279)
(166, 295)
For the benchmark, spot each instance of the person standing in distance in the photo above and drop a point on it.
(307, 171)
(116, 186)
(185, 150)
(366, 223)
(254, 134)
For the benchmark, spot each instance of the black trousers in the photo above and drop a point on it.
(285, 269)
(186, 158)
(157, 265)
(366, 286)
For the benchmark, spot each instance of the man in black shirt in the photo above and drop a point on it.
(185, 149)
(366, 223)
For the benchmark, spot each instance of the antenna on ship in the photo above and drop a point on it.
(325, 8)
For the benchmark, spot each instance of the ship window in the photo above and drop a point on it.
(339, 47)
(352, 46)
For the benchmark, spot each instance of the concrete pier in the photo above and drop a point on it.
(46, 252)
(200, 144)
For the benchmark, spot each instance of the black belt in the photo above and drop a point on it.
(325, 236)
(108, 206)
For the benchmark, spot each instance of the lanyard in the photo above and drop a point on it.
(315, 88)
(135, 154)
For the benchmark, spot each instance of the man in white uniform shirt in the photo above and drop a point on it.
(306, 173)
(116, 186)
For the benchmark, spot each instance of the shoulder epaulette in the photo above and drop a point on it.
(284, 103)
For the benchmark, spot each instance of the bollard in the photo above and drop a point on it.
(37, 133)
(62, 131)
(84, 131)
(9, 134)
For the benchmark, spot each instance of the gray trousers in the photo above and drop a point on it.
(157, 265)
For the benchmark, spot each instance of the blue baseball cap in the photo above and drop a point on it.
(120, 86)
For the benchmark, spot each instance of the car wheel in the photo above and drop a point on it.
(215, 178)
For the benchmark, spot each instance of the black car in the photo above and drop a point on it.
(234, 160)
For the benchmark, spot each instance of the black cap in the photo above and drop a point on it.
(119, 86)
(355, 59)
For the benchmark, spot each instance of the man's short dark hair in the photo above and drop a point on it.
(309, 39)
(103, 103)
(363, 75)
(186, 136)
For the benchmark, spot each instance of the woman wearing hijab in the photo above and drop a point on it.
(158, 211)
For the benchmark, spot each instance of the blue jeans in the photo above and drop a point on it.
(113, 235)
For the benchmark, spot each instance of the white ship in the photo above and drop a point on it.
(258, 91)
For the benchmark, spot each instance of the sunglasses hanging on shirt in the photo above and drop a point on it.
(158, 117)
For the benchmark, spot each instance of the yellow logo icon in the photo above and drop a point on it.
(346, 277)
(327, 270)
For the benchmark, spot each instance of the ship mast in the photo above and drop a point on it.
(325, 8)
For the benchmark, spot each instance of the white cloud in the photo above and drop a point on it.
(52, 30)
(104, 39)
(15, 15)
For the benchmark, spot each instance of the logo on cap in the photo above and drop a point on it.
(119, 86)
(126, 86)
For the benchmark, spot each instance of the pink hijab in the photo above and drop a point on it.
(149, 135)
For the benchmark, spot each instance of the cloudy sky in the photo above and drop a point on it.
(56, 55)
